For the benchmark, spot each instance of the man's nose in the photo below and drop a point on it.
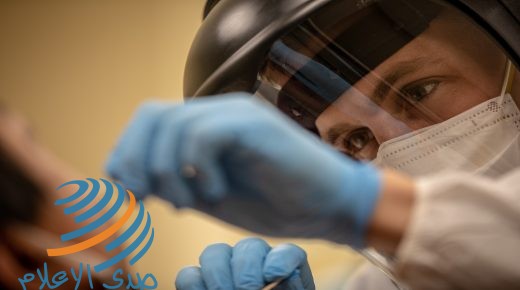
(386, 127)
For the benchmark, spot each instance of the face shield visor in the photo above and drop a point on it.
(411, 85)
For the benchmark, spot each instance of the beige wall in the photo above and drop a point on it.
(78, 69)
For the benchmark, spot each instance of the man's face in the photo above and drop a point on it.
(445, 71)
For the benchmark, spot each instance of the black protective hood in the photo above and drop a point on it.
(235, 36)
(233, 40)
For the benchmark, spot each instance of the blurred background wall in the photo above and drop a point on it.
(78, 69)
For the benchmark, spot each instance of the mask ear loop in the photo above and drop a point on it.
(508, 79)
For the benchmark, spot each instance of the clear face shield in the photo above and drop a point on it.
(411, 85)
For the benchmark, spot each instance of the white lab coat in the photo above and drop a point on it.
(464, 234)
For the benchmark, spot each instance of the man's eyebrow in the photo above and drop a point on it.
(334, 132)
(400, 70)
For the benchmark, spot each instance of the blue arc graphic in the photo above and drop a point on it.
(85, 197)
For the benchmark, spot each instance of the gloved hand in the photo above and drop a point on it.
(250, 264)
(240, 160)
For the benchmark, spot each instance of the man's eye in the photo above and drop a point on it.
(356, 141)
(418, 91)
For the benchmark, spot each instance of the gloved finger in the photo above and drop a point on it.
(284, 260)
(164, 166)
(205, 142)
(190, 278)
(127, 163)
(247, 263)
(167, 168)
(215, 267)
(293, 282)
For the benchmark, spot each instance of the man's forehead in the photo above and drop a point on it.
(396, 67)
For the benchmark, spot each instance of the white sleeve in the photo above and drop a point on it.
(464, 234)
(369, 277)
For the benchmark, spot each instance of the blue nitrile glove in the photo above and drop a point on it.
(240, 160)
(250, 264)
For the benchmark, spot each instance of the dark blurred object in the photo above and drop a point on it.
(19, 196)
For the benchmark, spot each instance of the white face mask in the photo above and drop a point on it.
(482, 140)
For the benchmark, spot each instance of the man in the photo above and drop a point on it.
(417, 87)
